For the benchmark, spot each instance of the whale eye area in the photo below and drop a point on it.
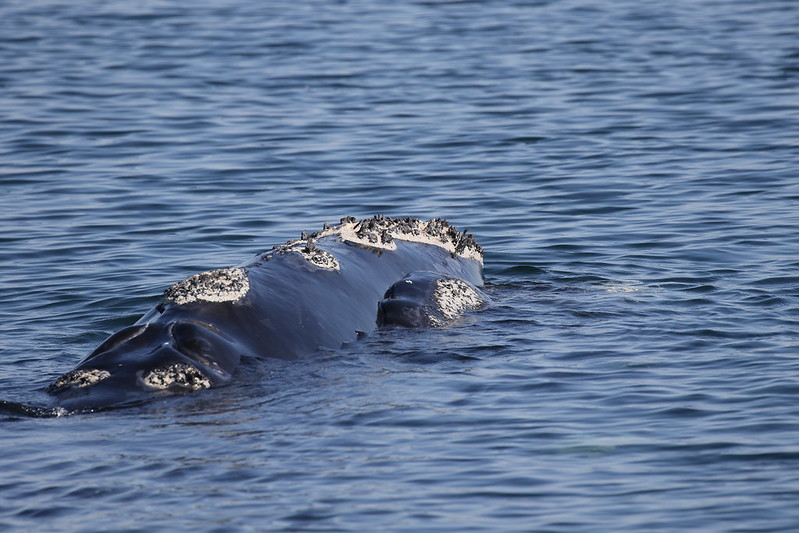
(194, 348)
(193, 340)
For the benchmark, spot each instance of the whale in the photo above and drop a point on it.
(321, 291)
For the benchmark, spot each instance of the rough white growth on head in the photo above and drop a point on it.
(223, 285)
(80, 378)
(182, 375)
(315, 256)
(454, 297)
(380, 232)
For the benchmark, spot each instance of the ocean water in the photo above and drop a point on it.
(629, 166)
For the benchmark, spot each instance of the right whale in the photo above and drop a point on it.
(321, 291)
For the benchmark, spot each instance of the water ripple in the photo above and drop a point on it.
(629, 168)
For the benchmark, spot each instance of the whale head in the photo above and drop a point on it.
(154, 358)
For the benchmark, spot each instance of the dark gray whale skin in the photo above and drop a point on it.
(321, 291)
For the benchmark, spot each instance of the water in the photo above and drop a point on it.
(630, 168)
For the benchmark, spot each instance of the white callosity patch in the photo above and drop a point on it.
(308, 250)
(380, 233)
(223, 285)
(80, 378)
(454, 296)
(182, 375)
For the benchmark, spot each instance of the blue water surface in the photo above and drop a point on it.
(629, 166)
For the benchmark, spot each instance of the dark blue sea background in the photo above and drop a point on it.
(631, 168)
